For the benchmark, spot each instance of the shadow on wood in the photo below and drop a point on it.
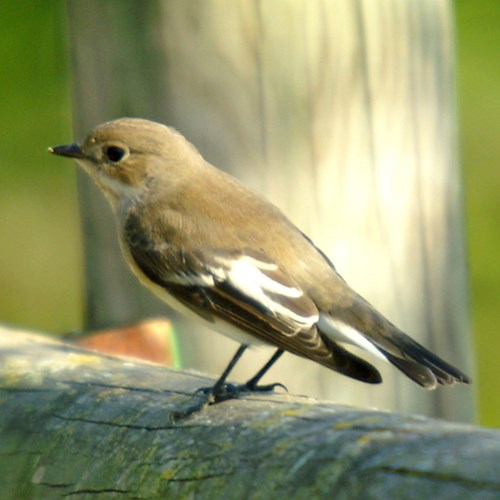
(77, 423)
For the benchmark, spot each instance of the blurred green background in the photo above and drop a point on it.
(40, 256)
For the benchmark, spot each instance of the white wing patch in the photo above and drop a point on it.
(339, 331)
(246, 272)
(192, 279)
(247, 275)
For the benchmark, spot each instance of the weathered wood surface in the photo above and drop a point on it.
(341, 112)
(80, 424)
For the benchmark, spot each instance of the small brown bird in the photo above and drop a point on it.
(206, 244)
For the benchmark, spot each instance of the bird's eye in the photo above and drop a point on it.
(114, 153)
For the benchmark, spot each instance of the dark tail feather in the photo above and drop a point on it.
(415, 361)
(422, 375)
(347, 363)
(423, 366)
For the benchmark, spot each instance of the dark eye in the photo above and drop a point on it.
(114, 153)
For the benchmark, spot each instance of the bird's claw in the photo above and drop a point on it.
(223, 393)
(264, 388)
(232, 391)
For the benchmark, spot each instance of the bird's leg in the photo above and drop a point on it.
(251, 385)
(222, 391)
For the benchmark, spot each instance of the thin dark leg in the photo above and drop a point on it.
(252, 383)
(220, 391)
(216, 389)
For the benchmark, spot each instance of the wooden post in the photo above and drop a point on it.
(342, 113)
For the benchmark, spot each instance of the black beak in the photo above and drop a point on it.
(69, 150)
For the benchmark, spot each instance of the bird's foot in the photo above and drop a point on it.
(207, 396)
(221, 393)
(232, 391)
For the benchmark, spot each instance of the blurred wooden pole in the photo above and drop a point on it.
(342, 112)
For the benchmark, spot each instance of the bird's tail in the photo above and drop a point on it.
(421, 365)
(363, 326)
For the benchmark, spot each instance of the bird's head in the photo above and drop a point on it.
(128, 155)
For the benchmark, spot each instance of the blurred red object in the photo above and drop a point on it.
(150, 340)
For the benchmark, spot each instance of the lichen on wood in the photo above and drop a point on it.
(77, 423)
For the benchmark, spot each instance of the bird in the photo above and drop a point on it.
(209, 246)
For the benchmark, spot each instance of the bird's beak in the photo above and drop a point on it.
(68, 150)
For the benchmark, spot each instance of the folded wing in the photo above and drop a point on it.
(248, 291)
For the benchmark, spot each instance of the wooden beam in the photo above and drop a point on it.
(75, 423)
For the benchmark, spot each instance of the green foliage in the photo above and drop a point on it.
(40, 251)
(479, 105)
